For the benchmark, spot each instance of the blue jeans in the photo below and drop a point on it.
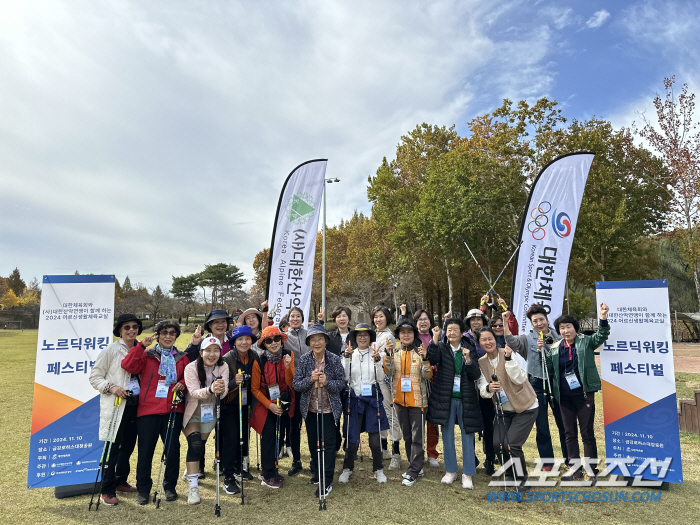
(448, 442)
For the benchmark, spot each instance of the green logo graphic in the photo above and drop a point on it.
(299, 208)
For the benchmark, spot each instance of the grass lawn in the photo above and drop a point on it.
(360, 501)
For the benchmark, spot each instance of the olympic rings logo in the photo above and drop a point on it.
(561, 224)
(539, 220)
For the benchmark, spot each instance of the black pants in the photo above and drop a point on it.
(328, 437)
(230, 438)
(118, 467)
(488, 412)
(515, 433)
(375, 445)
(544, 436)
(150, 428)
(295, 430)
(582, 410)
(267, 444)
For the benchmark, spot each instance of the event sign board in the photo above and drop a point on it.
(75, 325)
(639, 387)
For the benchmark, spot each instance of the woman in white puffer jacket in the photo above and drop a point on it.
(111, 381)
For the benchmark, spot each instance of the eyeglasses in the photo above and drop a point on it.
(423, 319)
(130, 327)
(171, 333)
(275, 339)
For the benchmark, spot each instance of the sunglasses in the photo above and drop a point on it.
(130, 327)
(171, 333)
(275, 339)
(497, 326)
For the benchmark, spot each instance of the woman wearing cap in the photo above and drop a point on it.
(271, 385)
(320, 378)
(111, 381)
(410, 368)
(381, 319)
(454, 399)
(575, 380)
(365, 413)
(206, 379)
(516, 397)
(162, 374)
(240, 358)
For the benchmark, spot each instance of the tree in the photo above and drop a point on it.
(15, 282)
(9, 299)
(224, 280)
(3, 286)
(678, 142)
(261, 265)
(157, 303)
(185, 289)
(126, 287)
(133, 299)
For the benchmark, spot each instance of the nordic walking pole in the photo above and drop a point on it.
(479, 266)
(240, 432)
(323, 453)
(318, 449)
(504, 268)
(504, 435)
(257, 448)
(217, 505)
(277, 444)
(166, 448)
(106, 451)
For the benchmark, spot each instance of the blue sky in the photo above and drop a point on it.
(151, 138)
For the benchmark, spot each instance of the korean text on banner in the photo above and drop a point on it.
(639, 384)
(547, 233)
(293, 247)
(75, 325)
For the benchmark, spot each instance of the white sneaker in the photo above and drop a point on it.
(386, 454)
(395, 462)
(380, 476)
(449, 478)
(408, 481)
(289, 453)
(345, 476)
(467, 482)
(433, 462)
(193, 496)
(405, 474)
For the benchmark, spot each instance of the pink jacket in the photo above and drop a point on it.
(195, 393)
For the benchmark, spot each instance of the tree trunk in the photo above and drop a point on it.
(450, 292)
(439, 301)
(689, 225)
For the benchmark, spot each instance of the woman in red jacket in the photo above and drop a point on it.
(162, 374)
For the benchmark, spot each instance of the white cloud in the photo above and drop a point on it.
(598, 19)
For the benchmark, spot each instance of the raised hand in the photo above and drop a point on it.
(197, 336)
(604, 308)
(148, 341)
(287, 361)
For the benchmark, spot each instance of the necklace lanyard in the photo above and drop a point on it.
(362, 356)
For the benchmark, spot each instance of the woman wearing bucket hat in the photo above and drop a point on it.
(111, 380)
(410, 368)
(320, 378)
(240, 358)
(206, 378)
(454, 399)
(365, 411)
(381, 319)
(271, 385)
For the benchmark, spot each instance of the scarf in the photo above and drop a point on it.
(274, 358)
(167, 365)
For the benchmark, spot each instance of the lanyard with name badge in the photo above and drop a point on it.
(366, 386)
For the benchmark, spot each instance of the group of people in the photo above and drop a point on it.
(401, 385)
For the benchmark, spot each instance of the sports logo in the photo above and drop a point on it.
(539, 220)
(561, 224)
(299, 209)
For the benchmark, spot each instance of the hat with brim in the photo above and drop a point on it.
(271, 331)
(316, 329)
(213, 316)
(125, 318)
(363, 328)
(406, 324)
(241, 331)
(249, 311)
(475, 312)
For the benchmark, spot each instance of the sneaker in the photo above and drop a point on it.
(290, 455)
(408, 481)
(345, 476)
(109, 500)
(449, 478)
(231, 487)
(576, 476)
(380, 476)
(142, 498)
(489, 467)
(280, 478)
(246, 476)
(271, 483)
(405, 474)
(328, 491)
(193, 496)
(126, 488)
(395, 462)
(386, 453)
(433, 462)
(171, 495)
(296, 468)
(467, 482)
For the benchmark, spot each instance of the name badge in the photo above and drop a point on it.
(162, 390)
(405, 384)
(244, 395)
(456, 386)
(207, 412)
(366, 388)
(134, 386)
(572, 380)
(504, 397)
(274, 392)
